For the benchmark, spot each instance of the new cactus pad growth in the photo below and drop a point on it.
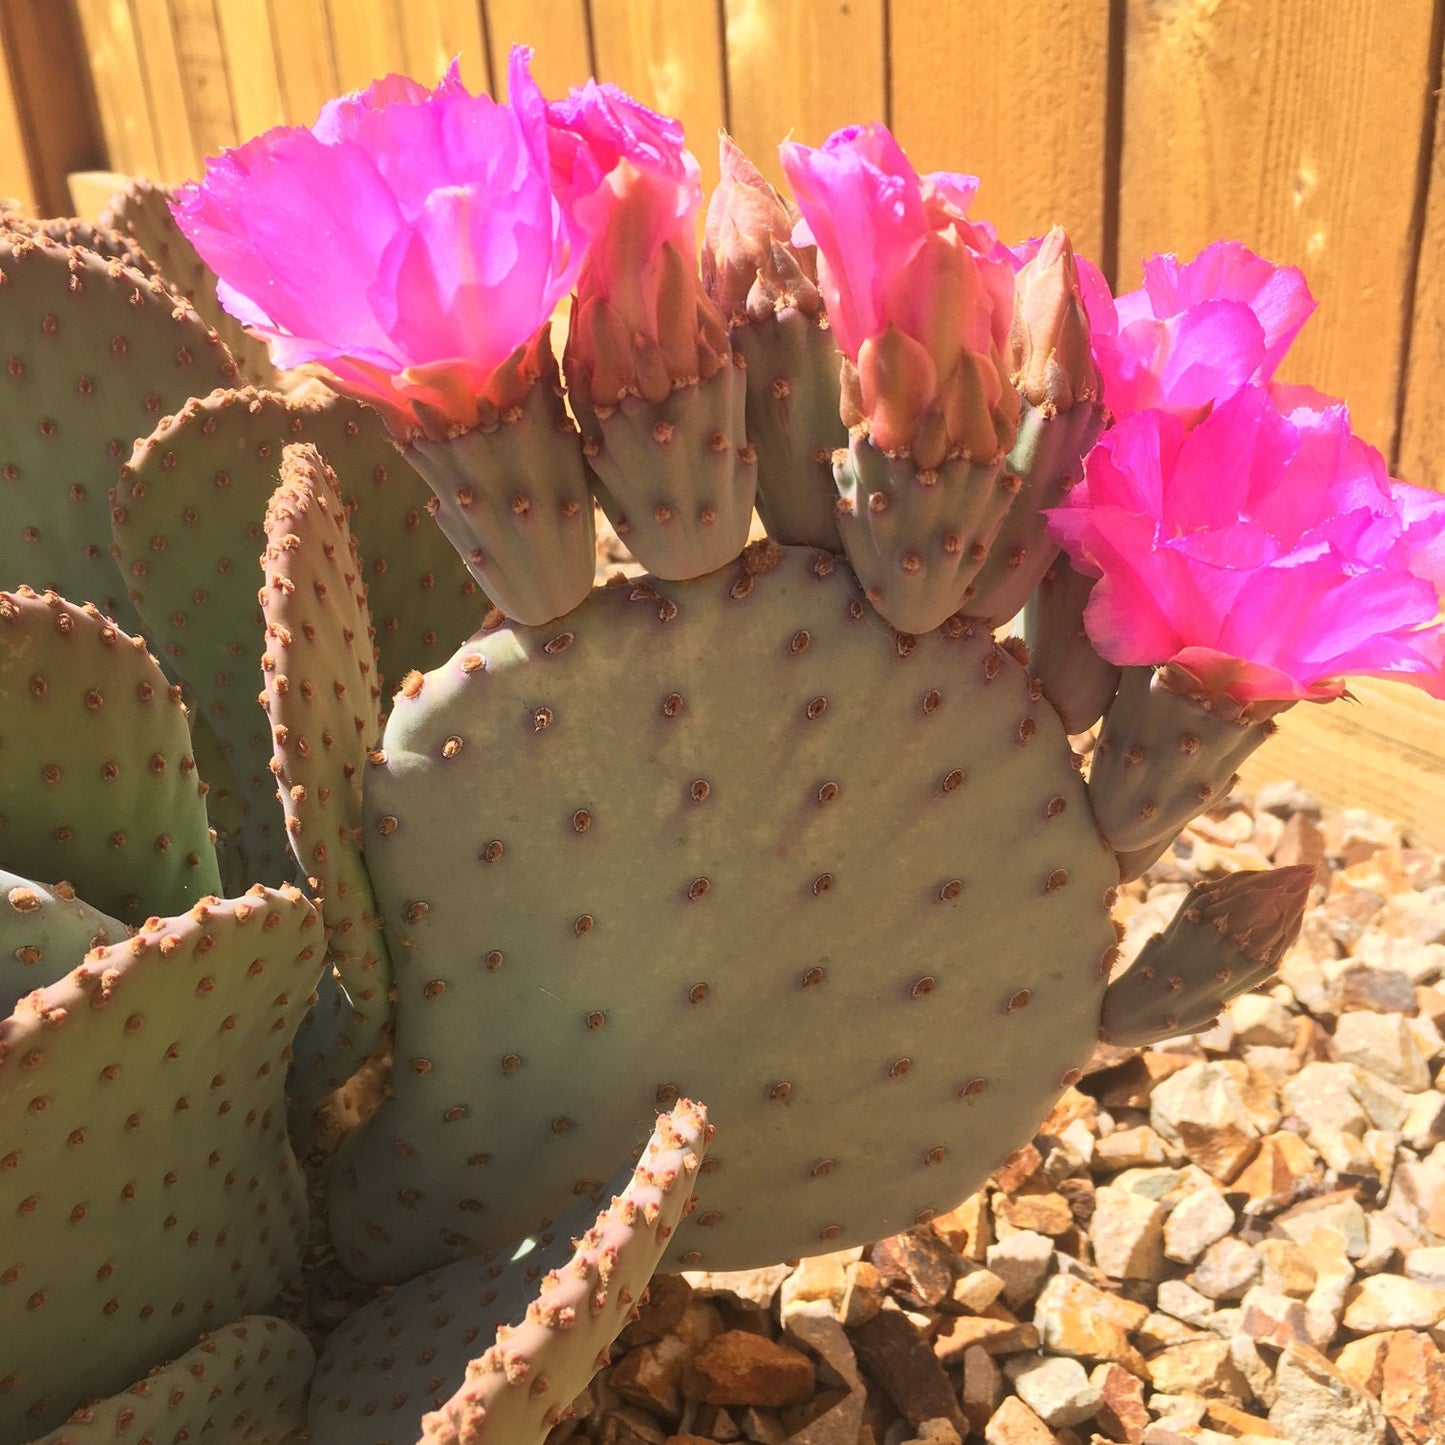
(783, 827)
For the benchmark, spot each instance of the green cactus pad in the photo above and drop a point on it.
(1226, 939)
(44, 933)
(245, 1384)
(71, 231)
(147, 1183)
(428, 1346)
(917, 537)
(1048, 459)
(97, 781)
(142, 211)
(1165, 754)
(322, 700)
(197, 487)
(736, 836)
(792, 367)
(513, 499)
(94, 356)
(678, 479)
(1078, 682)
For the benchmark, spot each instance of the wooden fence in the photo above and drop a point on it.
(1307, 128)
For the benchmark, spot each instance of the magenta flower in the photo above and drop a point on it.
(409, 243)
(1196, 331)
(920, 298)
(626, 180)
(1265, 552)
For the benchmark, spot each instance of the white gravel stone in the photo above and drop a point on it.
(1393, 1302)
(1022, 1262)
(1260, 1019)
(1055, 1387)
(1127, 1232)
(1314, 1403)
(1195, 1223)
(1384, 1044)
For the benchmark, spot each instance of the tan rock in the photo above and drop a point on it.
(1314, 1402)
(1285, 1267)
(1018, 1169)
(1075, 1318)
(651, 1375)
(1231, 1420)
(1362, 1362)
(1392, 1302)
(1127, 1233)
(1055, 1388)
(1196, 1221)
(1013, 1423)
(968, 1229)
(1045, 1213)
(1022, 1261)
(983, 1387)
(823, 1278)
(1225, 1270)
(1384, 1044)
(1284, 1169)
(1132, 1148)
(996, 1330)
(741, 1368)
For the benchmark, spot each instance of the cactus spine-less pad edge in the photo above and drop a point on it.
(739, 808)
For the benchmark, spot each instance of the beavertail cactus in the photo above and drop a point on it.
(783, 826)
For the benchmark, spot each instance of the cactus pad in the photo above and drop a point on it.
(95, 355)
(737, 808)
(148, 1186)
(244, 1384)
(44, 933)
(322, 700)
(98, 784)
(592, 1268)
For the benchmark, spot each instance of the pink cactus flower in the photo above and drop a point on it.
(409, 243)
(920, 297)
(1264, 551)
(623, 175)
(1196, 331)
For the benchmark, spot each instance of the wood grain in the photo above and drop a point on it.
(116, 67)
(165, 87)
(435, 31)
(305, 64)
(205, 78)
(1296, 127)
(802, 68)
(670, 57)
(1385, 753)
(1420, 454)
(50, 102)
(252, 66)
(557, 31)
(365, 41)
(17, 174)
(1032, 128)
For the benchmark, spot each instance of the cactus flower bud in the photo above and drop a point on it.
(409, 243)
(1053, 366)
(921, 298)
(749, 264)
(641, 325)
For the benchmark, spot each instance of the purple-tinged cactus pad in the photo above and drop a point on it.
(465, 1343)
(323, 703)
(734, 835)
(244, 1384)
(98, 785)
(92, 355)
(147, 1184)
(1078, 682)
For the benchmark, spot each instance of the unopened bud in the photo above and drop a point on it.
(1053, 366)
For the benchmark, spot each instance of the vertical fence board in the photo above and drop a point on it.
(557, 31)
(670, 57)
(802, 67)
(57, 130)
(253, 65)
(1422, 423)
(164, 83)
(305, 64)
(365, 40)
(1032, 129)
(205, 78)
(109, 33)
(435, 31)
(1294, 126)
(17, 176)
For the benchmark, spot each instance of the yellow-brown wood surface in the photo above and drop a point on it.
(1033, 128)
(1296, 126)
